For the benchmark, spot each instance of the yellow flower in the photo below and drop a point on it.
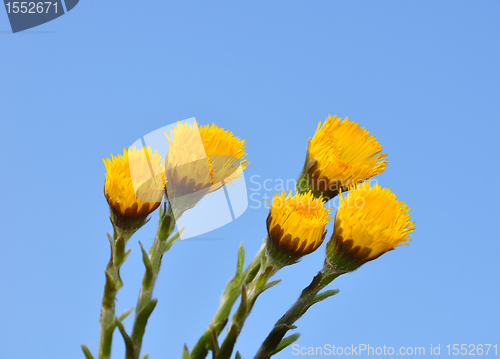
(295, 226)
(339, 155)
(133, 187)
(200, 160)
(370, 221)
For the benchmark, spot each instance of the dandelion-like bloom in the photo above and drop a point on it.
(133, 187)
(370, 221)
(339, 155)
(295, 226)
(201, 160)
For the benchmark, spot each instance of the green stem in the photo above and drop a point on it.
(227, 300)
(308, 297)
(248, 297)
(113, 283)
(152, 262)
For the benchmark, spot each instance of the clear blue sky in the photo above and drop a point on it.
(422, 76)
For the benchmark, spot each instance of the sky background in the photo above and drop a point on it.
(422, 76)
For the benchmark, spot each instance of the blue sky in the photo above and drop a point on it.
(423, 77)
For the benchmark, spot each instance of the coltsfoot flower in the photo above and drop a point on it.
(370, 221)
(295, 226)
(133, 187)
(200, 160)
(339, 155)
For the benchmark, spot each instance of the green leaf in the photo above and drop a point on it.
(162, 208)
(112, 245)
(141, 320)
(129, 346)
(237, 356)
(264, 277)
(318, 298)
(125, 314)
(322, 296)
(120, 254)
(252, 272)
(111, 240)
(166, 227)
(241, 260)
(241, 312)
(263, 261)
(273, 340)
(86, 352)
(329, 277)
(214, 343)
(285, 342)
(227, 345)
(119, 251)
(172, 239)
(145, 356)
(270, 284)
(148, 275)
(185, 352)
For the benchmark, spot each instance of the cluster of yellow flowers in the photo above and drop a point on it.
(341, 156)
(200, 160)
(369, 222)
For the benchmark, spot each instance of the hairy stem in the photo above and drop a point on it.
(308, 297)
(113, 283)
(248, 297)
(152, 262)
(227, 300)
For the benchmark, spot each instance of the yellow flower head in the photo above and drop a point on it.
(134, 186)
(370, 221)
(201, 160)
(295, 226)
(339, 155)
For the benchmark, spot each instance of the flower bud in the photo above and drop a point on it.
(133, 187)
(295, 226)
(200, 160)
(370, 221)
(339, 155)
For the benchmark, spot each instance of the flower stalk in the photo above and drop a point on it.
(111, 287)
(309, 296)
(231, 293)
(249, 294)
(107, 321)
(152, 261)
